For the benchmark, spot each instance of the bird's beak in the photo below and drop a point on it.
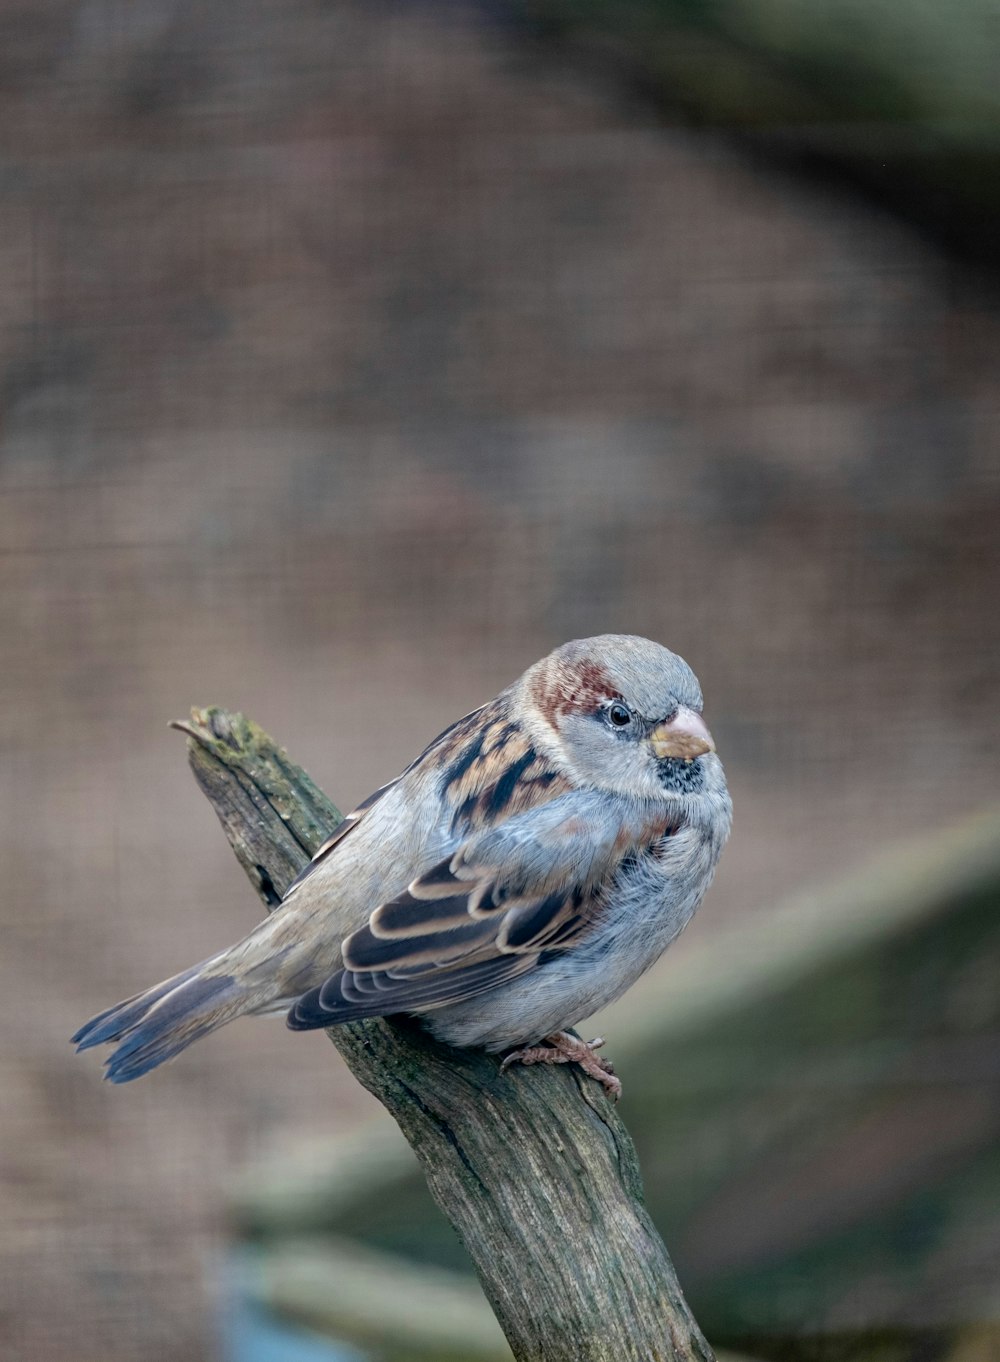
(685, 735)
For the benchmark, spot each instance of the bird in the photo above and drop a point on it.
(521, 873)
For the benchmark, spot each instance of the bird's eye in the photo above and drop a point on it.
(618, 715)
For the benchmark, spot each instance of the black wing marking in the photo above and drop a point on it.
(350, 995)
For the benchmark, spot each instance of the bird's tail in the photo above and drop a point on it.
(156, 1025)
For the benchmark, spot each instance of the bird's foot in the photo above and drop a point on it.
(562, 1048)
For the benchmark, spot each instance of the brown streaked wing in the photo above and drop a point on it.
(350, 996)
(409, 931)
(444, 964)
(428, 952)
(493, 771)
(450, 737)
(459, 908)
(444, 945)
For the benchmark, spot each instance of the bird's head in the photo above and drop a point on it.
(624, 714)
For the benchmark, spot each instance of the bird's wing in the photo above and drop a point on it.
(451, 736)
(512, 892)
(346, 825)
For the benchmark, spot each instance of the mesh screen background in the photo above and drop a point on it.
(352, 356)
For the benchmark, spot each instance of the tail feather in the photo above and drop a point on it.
(156, 1025)
(264, 972)
(113, 1022)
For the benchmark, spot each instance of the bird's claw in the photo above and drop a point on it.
(563, 1048)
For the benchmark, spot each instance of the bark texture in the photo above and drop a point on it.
(533, 1168)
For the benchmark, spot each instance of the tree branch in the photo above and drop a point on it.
(533, 1168)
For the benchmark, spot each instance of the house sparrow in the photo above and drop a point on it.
(522, 873)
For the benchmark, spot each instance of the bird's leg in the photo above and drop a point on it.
(563, 1048)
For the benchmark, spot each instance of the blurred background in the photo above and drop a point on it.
(353, 355)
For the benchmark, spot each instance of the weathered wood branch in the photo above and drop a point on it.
(533, 1168)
